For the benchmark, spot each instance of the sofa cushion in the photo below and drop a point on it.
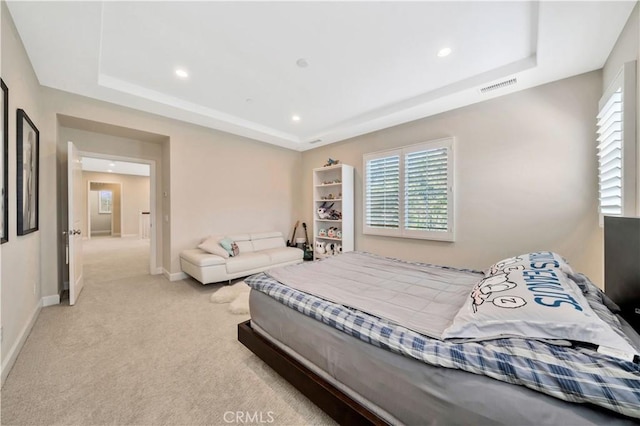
(245, 246)
(268, 243)
(201, 258)
(247, 261)
(283, 254)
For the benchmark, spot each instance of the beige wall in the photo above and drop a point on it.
(226, 184)
(135, 198)
(625, 49)
(21, 260)
(525, 177)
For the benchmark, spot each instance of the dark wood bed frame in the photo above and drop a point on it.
(339, 406)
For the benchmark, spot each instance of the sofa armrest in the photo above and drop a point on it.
(200, 257)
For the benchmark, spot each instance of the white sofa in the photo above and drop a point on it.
(258, 252)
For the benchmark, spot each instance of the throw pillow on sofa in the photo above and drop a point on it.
(228, 244)
(211, 245)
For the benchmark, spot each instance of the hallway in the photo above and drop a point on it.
(109, 259)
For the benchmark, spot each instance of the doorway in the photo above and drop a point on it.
(120, 209)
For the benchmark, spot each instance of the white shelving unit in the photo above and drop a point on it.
(334, 184)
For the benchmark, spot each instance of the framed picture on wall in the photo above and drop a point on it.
(4, 164)
(28, 173)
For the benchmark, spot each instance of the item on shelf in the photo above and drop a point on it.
(330, 197)
(335, 214)
(339, 233)
(322, 232)
(337, 181)
(324, 211)
(331, 233)
(331, 249)
(331, 162)
(320, 247)
(338, 248)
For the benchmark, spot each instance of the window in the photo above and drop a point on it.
(617, 146)
(105, 202)
(409, 191)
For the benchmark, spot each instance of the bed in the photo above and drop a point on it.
(342, 358)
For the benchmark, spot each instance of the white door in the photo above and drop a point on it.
(75, 209)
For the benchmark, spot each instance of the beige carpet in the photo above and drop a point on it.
(138, 349)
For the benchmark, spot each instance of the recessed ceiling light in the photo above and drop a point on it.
(302, 63)
(182, 73)
(444, 52)
(295, 118)
(110, 171)
(112, 164)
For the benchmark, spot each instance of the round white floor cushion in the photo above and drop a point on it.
(228, 293)
(240, 305)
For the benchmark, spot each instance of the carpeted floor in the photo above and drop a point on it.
(138, 349)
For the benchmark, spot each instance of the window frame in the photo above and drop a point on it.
(625, 81)
(401, 232)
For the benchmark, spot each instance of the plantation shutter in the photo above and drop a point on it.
(408, 192)
(426, 190)
(610, 145)
(618, 178)
(382, 192)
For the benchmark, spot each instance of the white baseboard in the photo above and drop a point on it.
(7, 363)
(176, 276)
(159, 270)
(129, 235)
(101, 233)
(50, 300)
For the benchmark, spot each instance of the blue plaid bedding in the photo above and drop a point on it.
(578, 375)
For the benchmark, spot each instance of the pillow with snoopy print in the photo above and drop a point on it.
(535, 260)
(539, 304)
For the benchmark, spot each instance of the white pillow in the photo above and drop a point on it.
(535, 260)
(542, 304)
(211, 245)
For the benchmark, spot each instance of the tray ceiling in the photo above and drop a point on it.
(343, 68)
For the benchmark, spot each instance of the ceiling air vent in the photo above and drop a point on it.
(316, 141)
(497, 86)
